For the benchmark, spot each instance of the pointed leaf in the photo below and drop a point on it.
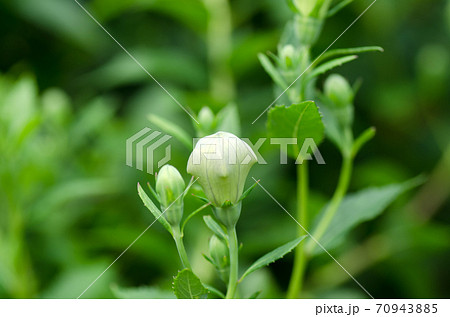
(172, 129)
(338, 7)
(300, 121)
(360, 207)
(215, 227)
(228, 120)
(214, 290)
(248, 191)
(323, 68)
(349, 51)
(272, 256)
(255, 295)
(153, 209)
(186, 285)
(272, 71)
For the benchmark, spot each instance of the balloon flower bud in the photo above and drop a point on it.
(338, 90)
(341, 95)
(221, 162)
(170, 187)
(219, 253)
(207, 121)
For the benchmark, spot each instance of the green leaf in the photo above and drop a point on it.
(248, 191)
(215, 227)
(186, 285)
(360, 207)
(272, 256)
(349, 51)
(153, 209)
(192, 214)
(142, 292)
(255, 295)
(172, 129)
(323, 68)
(214, 290)
(338, 7)
(300, 121)
(228, 120)
(272, 71)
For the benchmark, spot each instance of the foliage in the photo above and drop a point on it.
(68, 202)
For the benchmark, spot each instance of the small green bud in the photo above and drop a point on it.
(287, 55)
(304, 7)
(219, 254)
(170, 187)
(221, 162)
(218, 251)
(338, 90)
(207, 121)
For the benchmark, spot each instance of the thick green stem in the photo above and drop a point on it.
(234, 262)
(341, 189)
(178, 237)
(300, 260)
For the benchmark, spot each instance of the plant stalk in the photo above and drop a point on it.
(300, 259)
(178, 237)
(330, 211)
(234, 262)
(219, 46)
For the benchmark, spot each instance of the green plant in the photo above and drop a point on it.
(222, 179)
(295, 75)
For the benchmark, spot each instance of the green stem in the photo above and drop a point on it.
(300, 259)
(234, 262)
(330, 211)
(178, 237)
(219, 45)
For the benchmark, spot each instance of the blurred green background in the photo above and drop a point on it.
(70, 97)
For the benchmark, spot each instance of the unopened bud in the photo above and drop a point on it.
(170, 187)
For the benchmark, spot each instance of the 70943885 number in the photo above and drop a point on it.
(407, 308)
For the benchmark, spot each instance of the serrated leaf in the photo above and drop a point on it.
(172, 129)
(272, 256)
(357, 208)
(215, 227)
(153, 209)
(272, 71)
(349, 51)
(186, 285)
(300, 121)
(327, 66)
(142, 292)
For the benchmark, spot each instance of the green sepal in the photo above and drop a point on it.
(248, 191)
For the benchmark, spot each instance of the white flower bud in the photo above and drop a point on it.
(221, 162)
(170, 187)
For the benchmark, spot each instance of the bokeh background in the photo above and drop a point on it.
(70, 97)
